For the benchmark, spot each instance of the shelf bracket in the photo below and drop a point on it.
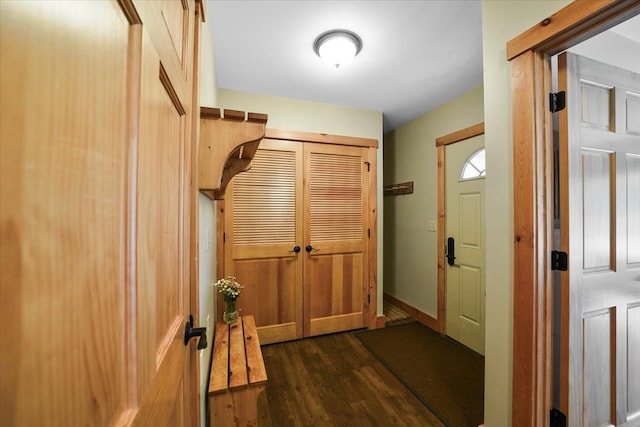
(228, 143)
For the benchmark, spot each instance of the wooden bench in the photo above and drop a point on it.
(237, 376)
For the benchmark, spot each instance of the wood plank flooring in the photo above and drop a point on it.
(333, 380)
(393, 313)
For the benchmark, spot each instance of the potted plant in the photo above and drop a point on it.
(230, 290)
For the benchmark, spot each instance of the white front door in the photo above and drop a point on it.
(600, 230)
(464, 225)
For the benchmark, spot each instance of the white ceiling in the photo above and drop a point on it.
(416, 55)
(629, 29)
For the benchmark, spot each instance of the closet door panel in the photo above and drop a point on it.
(336, 233)
(263, 222)
(336, 300)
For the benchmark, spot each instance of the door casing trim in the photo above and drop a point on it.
(441, 143)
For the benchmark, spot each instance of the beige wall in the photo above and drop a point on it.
(307, 116)
(501, 21)
(410, 154)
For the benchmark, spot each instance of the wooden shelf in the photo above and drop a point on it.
(228, 143)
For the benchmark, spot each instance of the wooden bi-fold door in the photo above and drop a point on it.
(262, 239)
(335, 238)
(296, 234)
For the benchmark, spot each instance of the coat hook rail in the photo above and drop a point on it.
(396, 189)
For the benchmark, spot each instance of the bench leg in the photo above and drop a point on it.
(236, 408)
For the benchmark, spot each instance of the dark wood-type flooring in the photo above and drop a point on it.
(333, 380)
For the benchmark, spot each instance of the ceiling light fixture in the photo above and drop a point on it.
(337, 48)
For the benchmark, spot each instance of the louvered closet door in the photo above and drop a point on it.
(335, 238)
(263, 222)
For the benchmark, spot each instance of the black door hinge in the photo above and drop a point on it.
(559, 260)
(368, 298)
(368, 232)
(557, 101)
(557, 418)
(224, 237)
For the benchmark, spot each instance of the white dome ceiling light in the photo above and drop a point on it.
(337, 48)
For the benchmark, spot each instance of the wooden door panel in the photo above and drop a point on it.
(175, 15)
(163, 298)
(339, 289)
(335, 270)
(170, 25)
(598, 217)
(263, 223)
(62, 213)
(162, 403)
(272, 296)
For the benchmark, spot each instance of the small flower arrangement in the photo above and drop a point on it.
(229, 288)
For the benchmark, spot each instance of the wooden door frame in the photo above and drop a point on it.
(441, 143)
(192, 199)
(529, 54)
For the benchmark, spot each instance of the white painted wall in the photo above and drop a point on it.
(307, 116)
(206, 224)
(411, 252)
(501, 21)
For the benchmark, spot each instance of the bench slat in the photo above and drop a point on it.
(255, 362)
(219, 368)
(237, 359)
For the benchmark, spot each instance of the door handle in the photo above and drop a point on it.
(191, 332)
(295, 249)
(451, 251)
(310, 248)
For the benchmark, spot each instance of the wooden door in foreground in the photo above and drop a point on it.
(600, 230)
(94, 212)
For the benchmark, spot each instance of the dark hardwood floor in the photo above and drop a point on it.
(333, 380)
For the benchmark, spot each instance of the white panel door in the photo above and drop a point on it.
(464, 223)
(600, 230)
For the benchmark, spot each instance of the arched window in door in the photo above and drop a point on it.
(474, 167)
